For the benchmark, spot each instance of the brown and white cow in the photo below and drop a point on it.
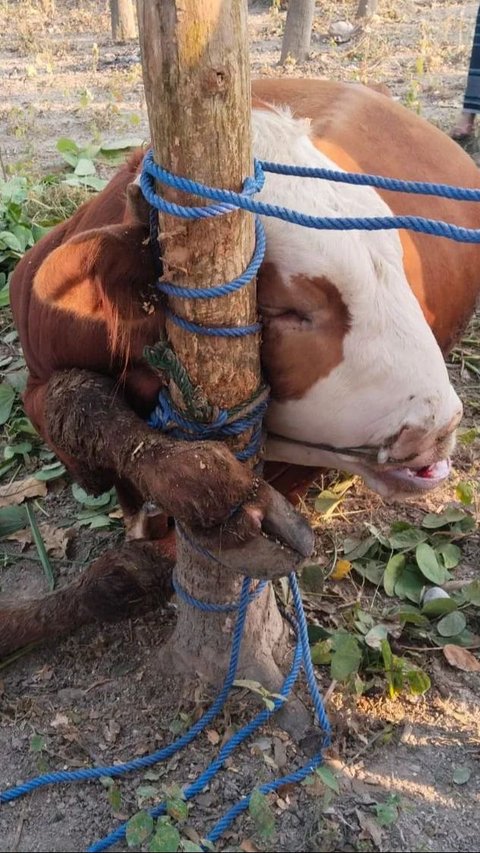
(354, 323)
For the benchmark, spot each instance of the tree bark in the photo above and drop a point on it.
(298, 30)
(123, 20)
(366, 8)
(196, 76)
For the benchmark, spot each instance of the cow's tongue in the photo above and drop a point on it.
(427, 472)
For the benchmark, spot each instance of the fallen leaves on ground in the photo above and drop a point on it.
(461, 658)
(20, 490)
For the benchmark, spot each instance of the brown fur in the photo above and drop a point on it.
(79, 298)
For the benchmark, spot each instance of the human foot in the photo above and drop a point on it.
(463, 128)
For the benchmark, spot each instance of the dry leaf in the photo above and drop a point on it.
(461, 658)
(20, 490)
(55, 539)
(341, 570)
(213, 736)
(248, 846)
(370, 828)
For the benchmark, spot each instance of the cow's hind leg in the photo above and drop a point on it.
(119, 584)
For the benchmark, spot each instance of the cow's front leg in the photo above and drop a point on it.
(86, 419)
(121, 583)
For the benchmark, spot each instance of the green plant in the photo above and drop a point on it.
(83, 160)
(406, 563)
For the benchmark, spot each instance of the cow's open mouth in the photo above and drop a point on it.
(417, 479)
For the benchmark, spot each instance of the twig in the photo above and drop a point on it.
(2, 166)
(40, 546)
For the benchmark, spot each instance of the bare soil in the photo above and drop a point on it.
(98, 697)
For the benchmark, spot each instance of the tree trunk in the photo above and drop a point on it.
(196, 75)
(366, 8)
(298, 30)
(123, 20)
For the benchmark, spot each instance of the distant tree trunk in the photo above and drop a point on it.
(123, 20)
(366, 8)
(298, 30)
(48, 7)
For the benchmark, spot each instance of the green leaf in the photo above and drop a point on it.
(452, 624)
(346, 656)
(12, 518)
(262, 815)
(20, 449)
(166, 838)
(121, 144)
(65, 145)
(321, 652)
(146, 794)
(316, 633)
(439, 606)
(328, 778)
(428, 564)
(7, 397)
(450, 554)
(37, 743)
(177, 808)
(84, 167)
(387, 812)
(465, 492)
(375, 636)
(433, 520)
(377, 534)
(312, 578)
(393, 571)
(461, 775)
(468, 436)
(4, 296)
(138, 829)
(410, 584)
(51, 472)
(327, 502)
(372, 570)
(90, 501)
(472, 593)
(407, 613)
(418, 681)
(406, 539)
(355, 550)
(190, 846)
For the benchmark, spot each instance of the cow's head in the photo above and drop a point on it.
(358, 380)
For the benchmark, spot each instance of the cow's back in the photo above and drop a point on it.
(362, 130)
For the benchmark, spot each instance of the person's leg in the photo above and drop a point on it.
(463, 128)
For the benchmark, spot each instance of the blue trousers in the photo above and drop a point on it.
(471, 101)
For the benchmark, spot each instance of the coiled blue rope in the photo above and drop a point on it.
(301, 656)
(233, 201)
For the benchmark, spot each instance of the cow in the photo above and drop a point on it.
(355, 325)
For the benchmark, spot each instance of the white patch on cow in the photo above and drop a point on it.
(393, 376)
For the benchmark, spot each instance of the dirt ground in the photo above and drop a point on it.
(97, 697)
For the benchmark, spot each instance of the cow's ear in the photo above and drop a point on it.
(138, 209)
(105, 275)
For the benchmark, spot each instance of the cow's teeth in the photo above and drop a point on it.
(382, 456)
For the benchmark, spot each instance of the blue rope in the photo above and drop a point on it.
(214, 608)
(163, 754)
(167, 418)
(221, 289)
(301, 656)
(212, 331)
(233, 201)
